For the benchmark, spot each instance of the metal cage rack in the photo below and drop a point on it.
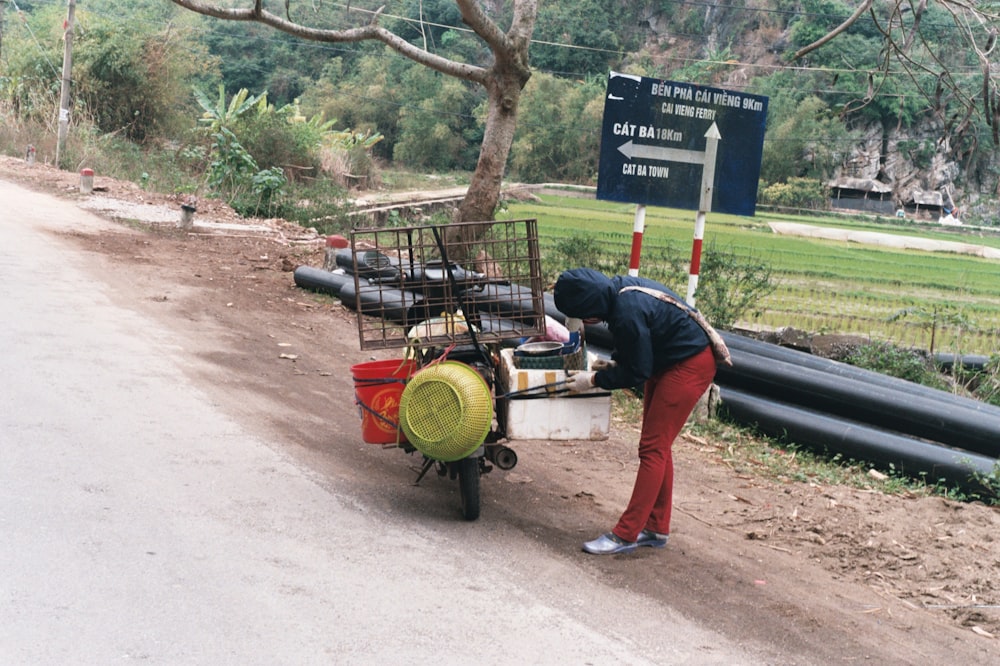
(424, 286)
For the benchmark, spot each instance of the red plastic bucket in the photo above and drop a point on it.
(378, 387)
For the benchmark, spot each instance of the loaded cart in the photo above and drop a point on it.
(465, 305)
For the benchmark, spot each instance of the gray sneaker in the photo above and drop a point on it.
(609, 544)
(652, 539)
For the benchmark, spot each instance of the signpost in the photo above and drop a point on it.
(680, 145)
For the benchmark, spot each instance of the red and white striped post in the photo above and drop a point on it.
(695, 270)
(707, 160)
(704, 205)
(637, 229)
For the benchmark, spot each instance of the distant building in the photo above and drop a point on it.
(928, 205)
(861, 194)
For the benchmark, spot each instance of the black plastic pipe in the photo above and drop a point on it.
(504, 300)
(973, 362)
(964, 425)
(855, 440)
(405, 307)
(401, 306)
(371, 264)
(317, 279)
(843, 390)
(767, 350)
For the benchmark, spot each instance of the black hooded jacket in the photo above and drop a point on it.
(649, 335)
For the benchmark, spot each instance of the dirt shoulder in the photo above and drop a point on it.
(829, 573)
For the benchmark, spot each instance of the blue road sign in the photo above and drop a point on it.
(653, 144)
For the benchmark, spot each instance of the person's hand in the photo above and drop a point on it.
(580, 380)
(602, 364)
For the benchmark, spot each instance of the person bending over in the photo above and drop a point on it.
(656, 344)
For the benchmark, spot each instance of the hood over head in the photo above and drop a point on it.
(584, 293)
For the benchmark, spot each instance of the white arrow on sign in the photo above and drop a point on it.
(660, 154)
(644, 151)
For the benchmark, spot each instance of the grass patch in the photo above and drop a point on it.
(402, 180)
(748, 453)
(822, 286)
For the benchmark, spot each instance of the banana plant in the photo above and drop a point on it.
(231, 165)
(218, 114)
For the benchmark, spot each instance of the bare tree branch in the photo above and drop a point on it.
(954, 98)
(368, 32)
(474, 17)
(918, 14)
(836, 31)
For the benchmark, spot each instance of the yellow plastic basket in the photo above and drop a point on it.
(446, 411)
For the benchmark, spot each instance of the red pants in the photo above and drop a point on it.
(668, 400)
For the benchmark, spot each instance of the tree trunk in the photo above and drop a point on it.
(504, 94)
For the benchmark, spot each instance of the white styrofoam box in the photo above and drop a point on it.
(560, 416)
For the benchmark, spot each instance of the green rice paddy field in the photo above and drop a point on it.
(823, 286)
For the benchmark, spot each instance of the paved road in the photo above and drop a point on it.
(131, 531)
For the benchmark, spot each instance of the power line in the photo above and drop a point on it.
(34, 38)
(798, 69)
(527, 124)
(832, 71)
(729, 62)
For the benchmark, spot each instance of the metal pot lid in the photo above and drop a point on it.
(543, 348)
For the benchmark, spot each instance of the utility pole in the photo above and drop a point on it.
(66, 80)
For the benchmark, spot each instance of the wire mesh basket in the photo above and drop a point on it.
(424, 286)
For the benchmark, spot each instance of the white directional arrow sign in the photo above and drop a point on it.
(661, 154)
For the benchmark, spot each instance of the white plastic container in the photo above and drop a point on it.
(560, 416)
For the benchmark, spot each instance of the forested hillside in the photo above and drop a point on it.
(913, 126)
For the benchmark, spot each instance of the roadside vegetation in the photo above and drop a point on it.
(786, 462)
